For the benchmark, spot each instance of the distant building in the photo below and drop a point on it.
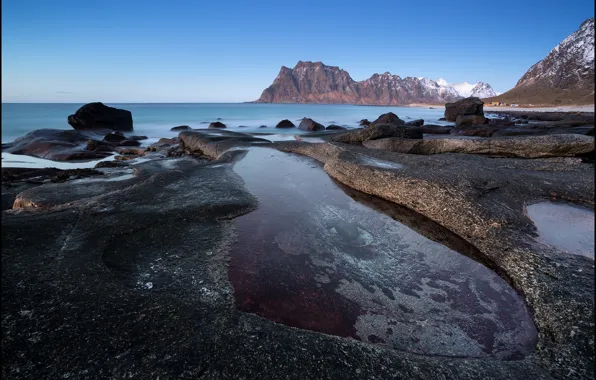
(514, 105)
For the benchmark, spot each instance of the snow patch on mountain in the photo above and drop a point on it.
(465, 89)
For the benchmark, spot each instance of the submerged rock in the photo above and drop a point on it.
(285, 124)
(217, 125)
(180, 128)
(114, 137)
(388, 118)
(308, 124)
(335, 127)
(99, 116)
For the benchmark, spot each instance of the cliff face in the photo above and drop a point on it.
(564, 76)
(314, 82)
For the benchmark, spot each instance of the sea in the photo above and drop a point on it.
(155, 120)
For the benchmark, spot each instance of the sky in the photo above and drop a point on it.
(230, 51)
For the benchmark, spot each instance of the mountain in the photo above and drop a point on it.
(315, 82)
(565, 76)
(465, 89)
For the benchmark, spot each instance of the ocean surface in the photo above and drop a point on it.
(155, 120)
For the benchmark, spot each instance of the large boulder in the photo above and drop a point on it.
(467, 106)
(388, 118)
(199, 143)
(56, 144)
(357, 136)
(333, 127)
(99, 116)
(180, 128)
(285, 124)
(310, 125)
(464, 120)
(567, 145)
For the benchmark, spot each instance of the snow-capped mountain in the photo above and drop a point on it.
(315, 82)
(465, 89)
(564, 76)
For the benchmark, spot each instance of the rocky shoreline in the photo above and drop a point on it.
(157, 264)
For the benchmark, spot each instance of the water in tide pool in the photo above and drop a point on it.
(155, 120)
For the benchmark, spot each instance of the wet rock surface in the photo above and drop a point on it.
(374, 132)
(567, 145)
(126, 274)
(483, 201)
(469, 106)
(330, 264)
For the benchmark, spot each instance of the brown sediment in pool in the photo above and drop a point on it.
(312, 256)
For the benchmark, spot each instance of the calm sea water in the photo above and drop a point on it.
(155, 120)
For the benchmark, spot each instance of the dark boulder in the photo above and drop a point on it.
(99, 116)
(111, 164)
(501, 122)
(364, 123)
(180, 128)
(285, 124)
(114, 137)
(263, 126)
(474, 130)
(335, 127)
(138, 138)
(442, 119)
(216, 125)
(415, 123)
(308, 124)
(55, 144)
(376, 132)
(467, 120)
(432, 129)
(94, 145)
(467, 106)
(129, 143)
(388, 118)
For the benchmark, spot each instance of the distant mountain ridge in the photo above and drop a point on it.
(315, 82)
(564, 76)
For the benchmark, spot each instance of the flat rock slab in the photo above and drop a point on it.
(482, 200)
(513, 146)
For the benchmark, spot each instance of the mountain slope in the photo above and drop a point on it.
(565, 76)
(315, 82)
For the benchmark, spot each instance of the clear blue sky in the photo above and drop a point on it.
(229, 51)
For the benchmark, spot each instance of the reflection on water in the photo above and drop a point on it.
(313, 257)
(567, 227)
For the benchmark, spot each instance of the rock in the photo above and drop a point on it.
(124, 158)
(95, 144)
(466, 120)
(99, 116)
(474, 130)
(135, 151)
(308, 124)
(415, 123)
(388, 118)
(217, 124)
(129, 143)
(55, 144)
(138, 138)
(432, 129)
(199, 143)
(521, 122)
(376, 132)
(523, 146)
(285, 124)
(243, 126)
(111, 164)
(501, 122)
(364, 122)
(442, 119)
(467, 106)
(335, 127)
(263, 126)
(180, 128)
(519, 132)
(114, 137)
